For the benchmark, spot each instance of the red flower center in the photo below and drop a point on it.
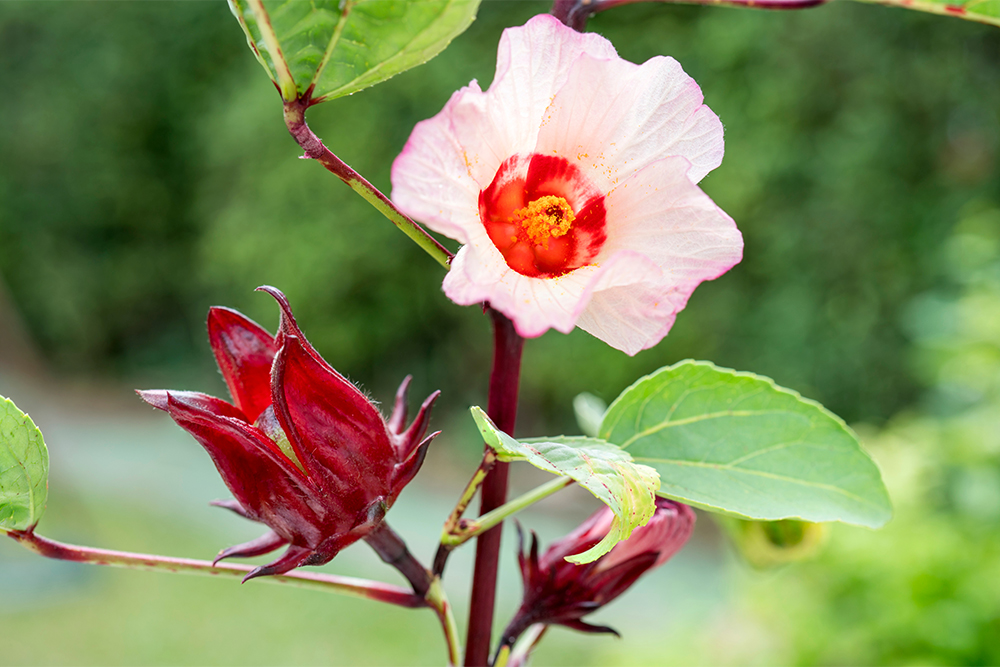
(544, 215)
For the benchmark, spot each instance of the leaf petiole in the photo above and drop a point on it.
(295, 120)
(470, 528)
(451, 524)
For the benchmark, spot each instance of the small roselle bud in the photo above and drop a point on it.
(300, 447)
(560, 592)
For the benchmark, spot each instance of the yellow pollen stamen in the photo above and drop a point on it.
(544, 218)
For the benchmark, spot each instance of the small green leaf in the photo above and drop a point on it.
(24, 469)
(737, 443)
(600, 467)
(338, 47)
(589, 411)
(983, 11)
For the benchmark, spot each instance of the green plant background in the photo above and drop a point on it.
(146, 175)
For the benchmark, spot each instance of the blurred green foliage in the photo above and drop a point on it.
(147, 175)
(926, 590)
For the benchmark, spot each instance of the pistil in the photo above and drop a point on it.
(544, 218)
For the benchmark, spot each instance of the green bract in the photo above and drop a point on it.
(737, 443)
(24, 469)
(626, 487)
(331, 48)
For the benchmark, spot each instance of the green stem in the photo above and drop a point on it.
(454, 519)
(371, 590)
(438, 600)
(471, 528)
(295, 120)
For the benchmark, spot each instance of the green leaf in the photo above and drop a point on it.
(24, 469)
(338, 47)
(737, 443)
(600, 467)
(984, 11)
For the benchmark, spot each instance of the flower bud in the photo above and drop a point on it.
(301, 448)
(557, 591)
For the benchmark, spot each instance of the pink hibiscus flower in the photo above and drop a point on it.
(571, 183)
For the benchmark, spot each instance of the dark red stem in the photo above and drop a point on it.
(502, 409)
(393, 550)
(575, 13)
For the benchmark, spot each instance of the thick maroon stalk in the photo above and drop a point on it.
(502, 409)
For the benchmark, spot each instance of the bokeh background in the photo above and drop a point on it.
(145, 174)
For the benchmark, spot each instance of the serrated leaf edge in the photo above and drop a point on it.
(339, 92)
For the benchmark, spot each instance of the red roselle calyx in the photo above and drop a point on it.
(560, 592)
(300, 447)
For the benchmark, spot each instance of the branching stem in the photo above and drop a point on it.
(469, 528)
(295, 120)
(454, 519)
(391, 548)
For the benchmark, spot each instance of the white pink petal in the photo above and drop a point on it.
(620, 145)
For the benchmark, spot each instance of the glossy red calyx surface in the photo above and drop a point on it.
(300, 447)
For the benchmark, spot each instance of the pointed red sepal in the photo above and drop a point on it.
(160, 399)
(265, 483)
(289, 327)
(231, 505)
(581, 626)
(264, 544)
(528, 561)
(292, 558)
(244, 352)
(607, 584)
(411, 438)
(404, 472)
(399, 410)
(337, 433)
